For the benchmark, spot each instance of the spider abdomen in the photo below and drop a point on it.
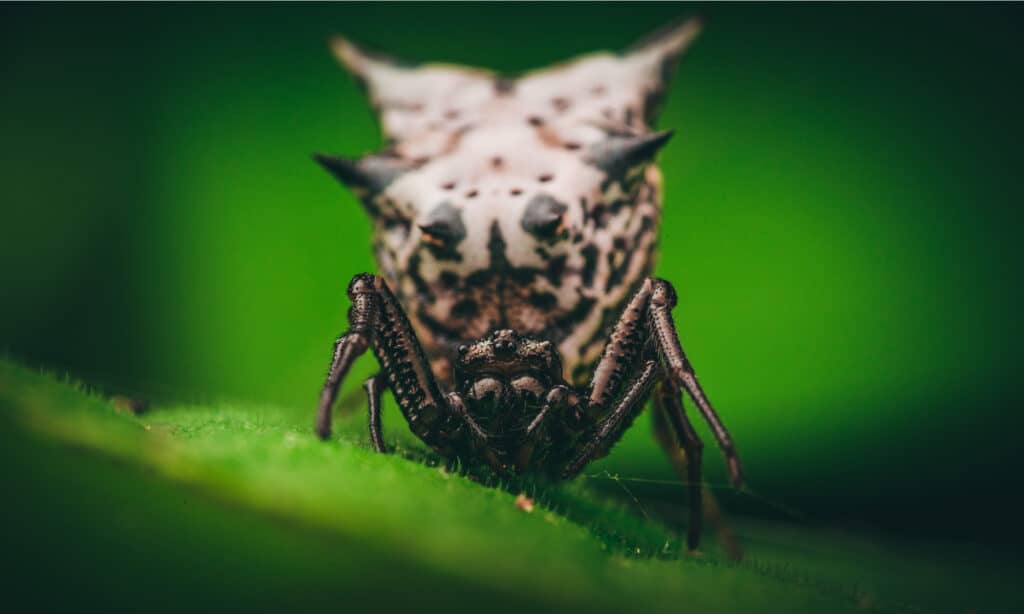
(529, 203)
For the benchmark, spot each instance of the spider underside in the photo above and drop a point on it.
(511, 408)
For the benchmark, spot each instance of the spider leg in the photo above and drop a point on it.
(672, 429)
(680, 442)
(680, 371)
(373, 390)
(613, 425)
(351, 345)
(557, 398)
(538, 437)
(377, 321)
(477, 435)
(645, 330)
(616, 376)
(471, 433)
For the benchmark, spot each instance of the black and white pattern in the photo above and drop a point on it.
(514, 319)
(529, 203)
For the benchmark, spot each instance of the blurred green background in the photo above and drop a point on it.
(841, 221)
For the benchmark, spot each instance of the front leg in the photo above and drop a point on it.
(646, 326)
(377, 321)
(620, 384)
(353, 343)
(614, 424)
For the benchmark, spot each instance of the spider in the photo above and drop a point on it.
(515, 222)
(512, 409)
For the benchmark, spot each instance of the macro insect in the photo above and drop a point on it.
(514, 318)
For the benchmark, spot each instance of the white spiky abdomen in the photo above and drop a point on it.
(529, 203)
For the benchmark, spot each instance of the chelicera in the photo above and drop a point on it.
(514, 319)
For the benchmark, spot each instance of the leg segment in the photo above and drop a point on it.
(377, 321)
(646, 331)
(623, 351)
(669, 412)
(463, 429)
(559, 397)
(362, 317)
(558, 411)
(679, 370)
(612, 427)
(475, 433)
(705, 505)
(373, 390)
(618, 388)
(646, 322)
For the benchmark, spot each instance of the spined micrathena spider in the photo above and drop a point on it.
(514, 320)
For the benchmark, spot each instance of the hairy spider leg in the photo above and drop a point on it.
(679, 370)
(376, 320)
(646, 321)
(613, 379)
(684, 448)
(475, 434)
(670, 414)
(648, 317)
(558, 398)
(615, 423)
(347, 348)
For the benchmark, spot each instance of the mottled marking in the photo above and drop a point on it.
(556, 269)
(617, 267)
(543, 300)
(496, 248)
(414, 274)
(448, 280)
(443, 253)
(584, 305)
(466, 308)
(504, 87)
(646, 224)
(589, 253)
(499, 253)
(599, 216)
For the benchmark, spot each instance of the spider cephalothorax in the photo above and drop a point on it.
(515, 221)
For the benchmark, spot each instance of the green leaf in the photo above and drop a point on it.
(235, 505)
